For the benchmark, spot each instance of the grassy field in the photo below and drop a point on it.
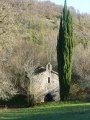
(49, 112)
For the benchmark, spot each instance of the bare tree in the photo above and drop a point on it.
(7, 89)
(81, 64)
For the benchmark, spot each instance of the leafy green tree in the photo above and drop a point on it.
(64, 52)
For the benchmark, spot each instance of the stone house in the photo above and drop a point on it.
(44, 84)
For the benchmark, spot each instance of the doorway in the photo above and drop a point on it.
(48, 98)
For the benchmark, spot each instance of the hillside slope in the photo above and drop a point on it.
(28, 36)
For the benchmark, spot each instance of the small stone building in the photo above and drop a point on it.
(44, 84)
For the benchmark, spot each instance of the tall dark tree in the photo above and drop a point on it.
(64, 52)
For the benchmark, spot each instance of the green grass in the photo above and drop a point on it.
(54, 111)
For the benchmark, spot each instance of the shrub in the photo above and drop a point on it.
(18, 101)
(32, 100)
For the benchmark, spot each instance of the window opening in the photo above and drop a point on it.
(48, 79)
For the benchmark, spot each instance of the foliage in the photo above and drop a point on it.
(28, 34)
(81, 71)
(31, 101)
(81, 62)
(7, 89)
(64, 53)
(17, 101)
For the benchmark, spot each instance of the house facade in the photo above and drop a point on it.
(44, 84)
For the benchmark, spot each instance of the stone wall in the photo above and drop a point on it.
(43, 83)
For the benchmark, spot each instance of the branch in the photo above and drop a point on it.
(2, 32)
(3, 18)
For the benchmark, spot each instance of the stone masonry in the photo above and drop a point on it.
(44, 84)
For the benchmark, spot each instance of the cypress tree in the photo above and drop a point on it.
(64, 52)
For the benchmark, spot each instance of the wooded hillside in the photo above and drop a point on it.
(28, 38)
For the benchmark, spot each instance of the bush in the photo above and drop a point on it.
(18, 101)
(32, 101)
